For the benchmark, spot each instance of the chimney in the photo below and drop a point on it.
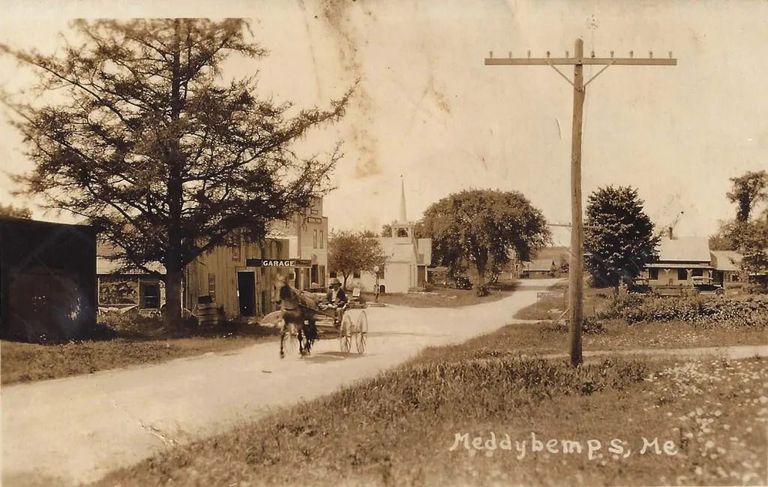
(670, 234)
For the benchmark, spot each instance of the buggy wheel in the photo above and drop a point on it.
(345, 334)
(290, 339)
(361, 330)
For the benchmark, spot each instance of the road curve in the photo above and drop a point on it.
(74, 430)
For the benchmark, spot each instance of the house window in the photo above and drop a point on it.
(356, 274)
(150, 295)
(682, 275)
(332, 274)
(234, 245)
(321, 239)
(314, 239)
(734, 277)
(698, 272)
(212, 286)
(653, 274)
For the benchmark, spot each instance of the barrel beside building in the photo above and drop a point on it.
(48, 286)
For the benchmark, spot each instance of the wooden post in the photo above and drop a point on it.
(576, 270)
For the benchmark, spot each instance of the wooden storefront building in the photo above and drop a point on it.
(224, 277)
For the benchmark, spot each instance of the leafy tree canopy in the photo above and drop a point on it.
(145, 139)
(746, 233)
(354, 251)
(482, 227)
(747, 191)
(618, 237)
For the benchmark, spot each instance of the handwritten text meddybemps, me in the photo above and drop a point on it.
(592, 448)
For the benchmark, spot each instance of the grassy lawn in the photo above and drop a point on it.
(543, 338)
(401, 428)
(441, 297)
(140, 341)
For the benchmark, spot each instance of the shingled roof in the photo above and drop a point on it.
(684, 249)
(726, 260)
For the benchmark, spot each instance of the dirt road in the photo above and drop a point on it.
(75, 430)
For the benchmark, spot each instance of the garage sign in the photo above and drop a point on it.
(278, 263)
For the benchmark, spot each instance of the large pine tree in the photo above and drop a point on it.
(138, 133)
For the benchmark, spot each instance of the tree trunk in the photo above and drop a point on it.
(173, 283)
(173, 264)
(480, 264)
(344, 284)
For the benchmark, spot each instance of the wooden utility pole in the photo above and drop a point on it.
(576, 266)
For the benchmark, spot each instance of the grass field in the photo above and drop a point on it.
(701, 422)
(143, 343)
(442, 297)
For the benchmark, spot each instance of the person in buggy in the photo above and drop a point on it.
(336, 298)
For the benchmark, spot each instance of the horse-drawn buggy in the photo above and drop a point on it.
(306, 313)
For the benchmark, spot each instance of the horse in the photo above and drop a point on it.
(297, 310)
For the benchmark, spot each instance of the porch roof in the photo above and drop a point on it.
(678, 265)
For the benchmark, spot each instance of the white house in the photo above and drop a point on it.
(407, 258)
(681, 259)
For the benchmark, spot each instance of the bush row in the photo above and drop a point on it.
(748, 312)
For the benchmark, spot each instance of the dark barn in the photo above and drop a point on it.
(47, 280)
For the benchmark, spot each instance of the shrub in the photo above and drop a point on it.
(619, 305)
(735, 313)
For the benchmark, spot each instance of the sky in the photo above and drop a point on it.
(428, 109)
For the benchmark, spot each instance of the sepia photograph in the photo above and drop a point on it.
(383, 243)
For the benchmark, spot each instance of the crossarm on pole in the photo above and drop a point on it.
(566, 78)
(597, 74)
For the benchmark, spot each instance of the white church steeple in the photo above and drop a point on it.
(402, 227)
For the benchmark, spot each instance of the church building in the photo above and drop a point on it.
(407, 257)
